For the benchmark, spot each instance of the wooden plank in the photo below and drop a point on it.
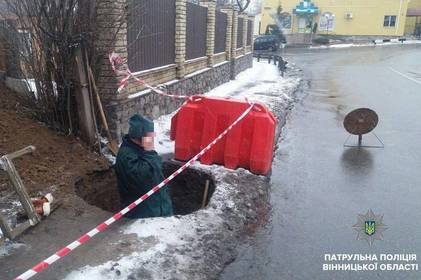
(112, 144)
(20, 190)
(86, 116)
(205, 194)
(24, 151)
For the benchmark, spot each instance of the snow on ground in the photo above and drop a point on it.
(261, 83)
(163, 234)
(166, 235)
(7, 247)
(356, 45)
(10, 206)
(163, 143)
(178, 246)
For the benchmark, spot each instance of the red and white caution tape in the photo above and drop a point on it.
(118, 62)
(101, 227)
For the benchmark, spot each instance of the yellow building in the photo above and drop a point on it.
(336, 17)
(413, 18)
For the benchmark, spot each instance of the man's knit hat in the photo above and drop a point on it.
(139, 126)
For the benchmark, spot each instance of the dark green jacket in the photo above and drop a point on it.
(138, 171)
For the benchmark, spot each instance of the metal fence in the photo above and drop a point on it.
(196, 31)
(151, 33)
(249, 32)
(240, 32)
(220, 31)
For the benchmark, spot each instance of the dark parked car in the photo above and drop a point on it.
(267, 42)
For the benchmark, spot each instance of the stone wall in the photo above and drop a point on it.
(152, 105)
(241, 63)
(154, 76)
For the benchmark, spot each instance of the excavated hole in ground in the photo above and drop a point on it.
(187, 189)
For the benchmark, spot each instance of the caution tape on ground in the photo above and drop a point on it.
(121, 68)
(103, 226)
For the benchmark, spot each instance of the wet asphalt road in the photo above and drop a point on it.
(319, 187)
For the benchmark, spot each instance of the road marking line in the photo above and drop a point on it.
(405, 76)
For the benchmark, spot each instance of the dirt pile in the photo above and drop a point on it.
(59, 160)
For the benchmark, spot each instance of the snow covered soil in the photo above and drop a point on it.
(7, 247)
(195, 246)
(355, 45)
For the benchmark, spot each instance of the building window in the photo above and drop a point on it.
(389, 21)
(326, 22)
(284, 20)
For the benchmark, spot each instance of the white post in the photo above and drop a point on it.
(399, 17)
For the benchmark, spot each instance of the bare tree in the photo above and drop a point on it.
(44, 36)
(241, 5)
(255, 7)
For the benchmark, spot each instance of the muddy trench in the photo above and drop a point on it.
(187, 190)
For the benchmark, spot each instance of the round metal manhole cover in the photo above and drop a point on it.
(361, 121)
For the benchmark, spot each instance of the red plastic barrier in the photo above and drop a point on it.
(248, 145)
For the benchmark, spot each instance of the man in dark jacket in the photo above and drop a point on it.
(139, 169)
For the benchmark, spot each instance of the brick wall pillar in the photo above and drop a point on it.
(245, 25)
(210, 38)
(111, 37)
(111, 20)
(229, 11)
(234, 34)
(234, 44)
(180, 37)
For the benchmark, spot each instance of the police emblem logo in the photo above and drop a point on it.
(370, 227)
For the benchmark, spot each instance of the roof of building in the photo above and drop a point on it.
(413, 12)
(306, 7)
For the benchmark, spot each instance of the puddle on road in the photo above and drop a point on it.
(357, 161)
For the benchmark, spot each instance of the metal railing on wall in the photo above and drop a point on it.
(150, 34)
(220, 31)
(240, 32)
(196, 31)
(172, 32)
